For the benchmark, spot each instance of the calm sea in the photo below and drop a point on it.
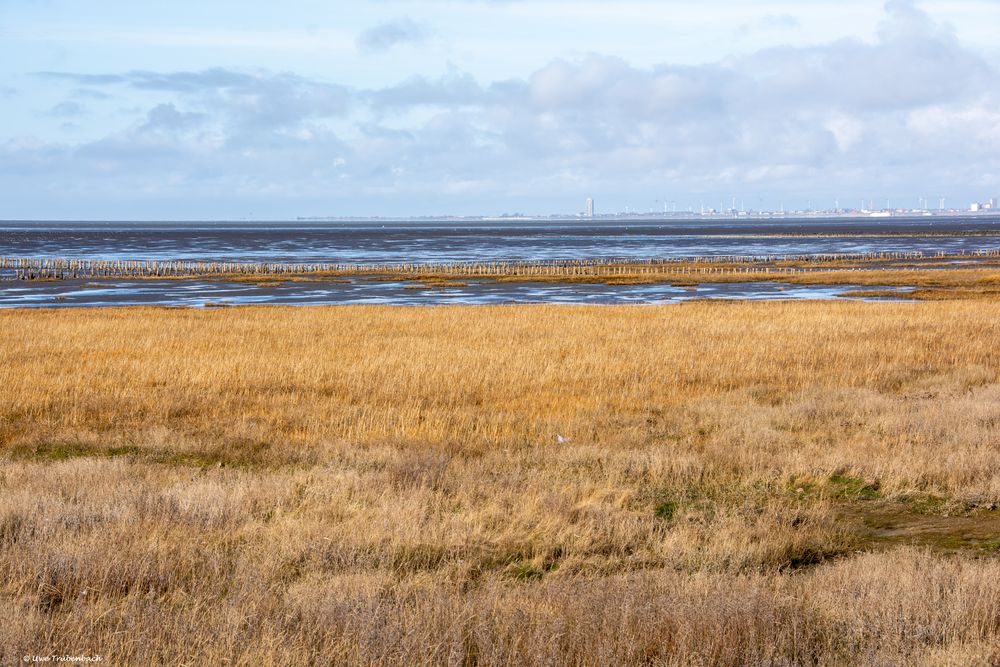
(433, 241)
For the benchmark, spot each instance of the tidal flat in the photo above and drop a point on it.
(721, 483)
(66, 283)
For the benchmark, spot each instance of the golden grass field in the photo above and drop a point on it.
(782, 483)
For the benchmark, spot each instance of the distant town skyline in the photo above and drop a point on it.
(465, 107)
(987, 207)
(670, 207)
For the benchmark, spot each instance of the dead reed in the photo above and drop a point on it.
(708, 483)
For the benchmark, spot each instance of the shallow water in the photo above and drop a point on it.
(202, 293)
(441, 241)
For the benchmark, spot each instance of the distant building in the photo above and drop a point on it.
(974, 207)
(993, 203)
(589, 208)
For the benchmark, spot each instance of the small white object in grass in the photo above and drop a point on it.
(561, 440)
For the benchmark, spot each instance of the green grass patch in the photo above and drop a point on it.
(525, 571)
(959, 542)
(837, 487)
(57, 451)
(666, 510)
(852, 488)
(533, 570)
(926, 504)
(520, 562)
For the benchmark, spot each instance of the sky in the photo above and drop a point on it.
(263, 110)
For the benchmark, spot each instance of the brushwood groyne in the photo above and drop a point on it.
(28, 268)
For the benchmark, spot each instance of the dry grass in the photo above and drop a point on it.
(737, 484)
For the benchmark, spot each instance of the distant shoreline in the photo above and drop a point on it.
(791, 218)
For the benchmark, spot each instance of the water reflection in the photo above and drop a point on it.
(201, 293)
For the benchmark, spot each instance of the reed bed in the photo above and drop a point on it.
(707, 483)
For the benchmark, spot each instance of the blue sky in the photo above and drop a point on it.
(273, 110)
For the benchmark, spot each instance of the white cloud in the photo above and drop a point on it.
(911, 110)
(384, 36)
(846, 130)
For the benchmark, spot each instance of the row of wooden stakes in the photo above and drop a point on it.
(28, 268)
